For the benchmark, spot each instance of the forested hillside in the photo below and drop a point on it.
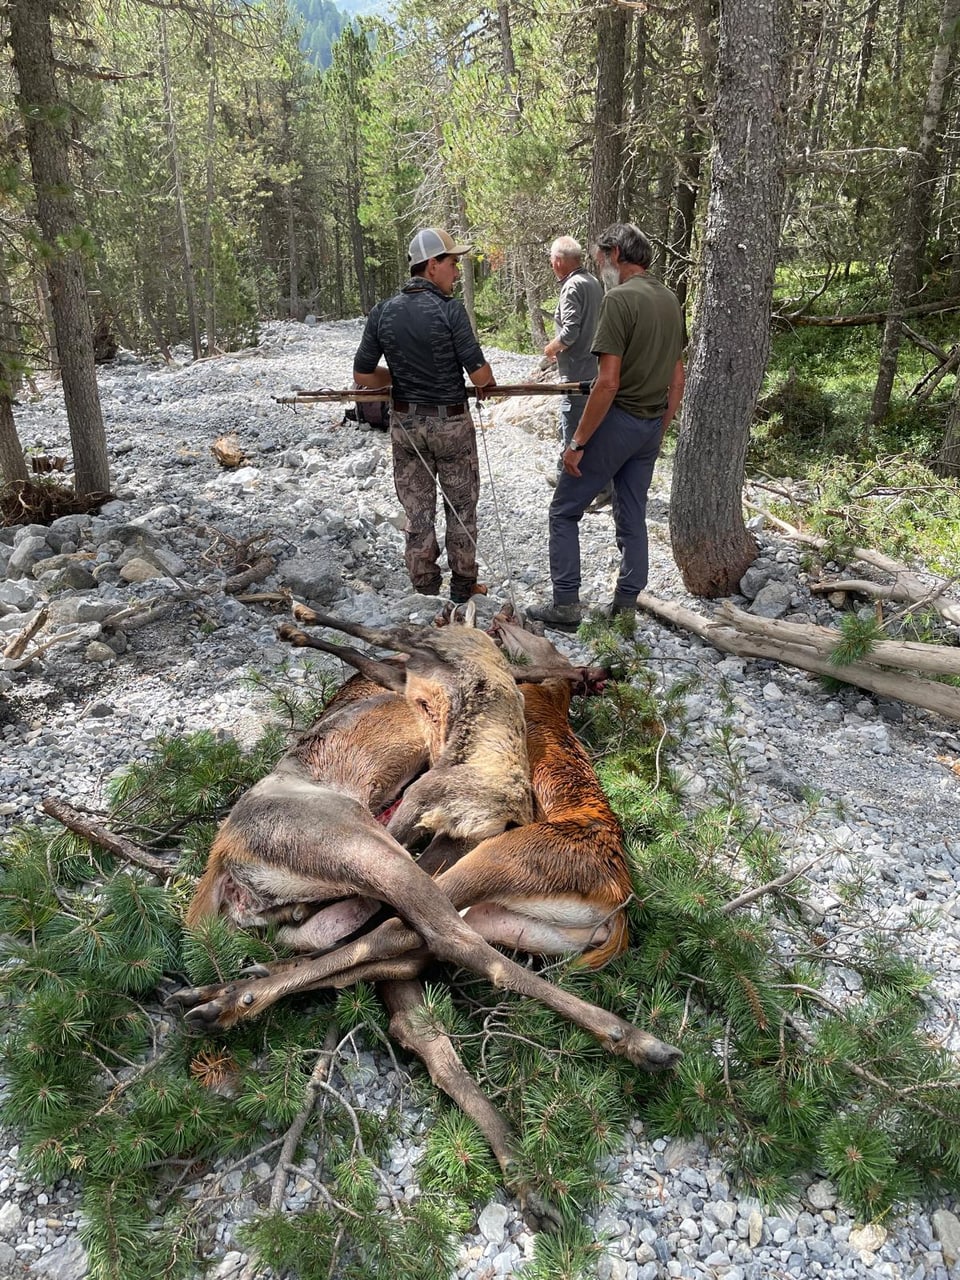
(321, 23)
(795, 164)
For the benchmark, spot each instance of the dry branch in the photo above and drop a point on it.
(23, 637)
(941, 698)
(260, 569)
(85, 825)
(907, 585)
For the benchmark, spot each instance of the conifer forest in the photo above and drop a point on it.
(187, 169)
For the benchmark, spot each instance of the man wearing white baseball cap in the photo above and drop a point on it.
(423, 336)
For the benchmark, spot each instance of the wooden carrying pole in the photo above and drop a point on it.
(489, 393)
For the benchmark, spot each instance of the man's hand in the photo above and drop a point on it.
(552, 349)
(571, 461)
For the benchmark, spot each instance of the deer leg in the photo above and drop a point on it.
(448, 1073)
(373, 635)
(329, 925)
(383, 673)
(414, 895)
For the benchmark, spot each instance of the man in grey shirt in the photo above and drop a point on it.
(578, 309)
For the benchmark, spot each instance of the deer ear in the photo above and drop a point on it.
(470, 613)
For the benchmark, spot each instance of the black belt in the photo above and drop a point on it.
(429, 410)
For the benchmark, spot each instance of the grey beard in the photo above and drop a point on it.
(610, 277)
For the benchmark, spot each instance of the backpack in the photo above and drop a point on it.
(372, 415)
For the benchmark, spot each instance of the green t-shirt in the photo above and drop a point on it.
(641, 322)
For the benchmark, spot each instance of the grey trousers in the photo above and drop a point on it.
(623, 449)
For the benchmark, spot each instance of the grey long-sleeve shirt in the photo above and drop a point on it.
(578, 310)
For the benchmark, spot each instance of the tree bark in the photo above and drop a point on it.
(711, 545)
(13, 465)
(608, 160)
(48, 140)
(948, 459)
(918, 183)
(189, 279)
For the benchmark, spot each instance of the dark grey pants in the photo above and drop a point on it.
(622, 449)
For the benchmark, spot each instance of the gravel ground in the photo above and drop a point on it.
(884, 777)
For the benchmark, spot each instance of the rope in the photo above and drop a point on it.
(496, 512)
(448, 505)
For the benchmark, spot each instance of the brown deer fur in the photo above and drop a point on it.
(338, 849)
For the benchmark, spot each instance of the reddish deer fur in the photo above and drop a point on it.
(306, 835)
(561, 883)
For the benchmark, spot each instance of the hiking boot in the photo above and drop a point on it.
(624, 608)
(461, 593)
(429, 588)
(562, 617)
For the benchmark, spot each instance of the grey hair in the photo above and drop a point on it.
(566, 247)
(629, 239)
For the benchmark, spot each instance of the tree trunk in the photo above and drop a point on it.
(865, 61)
(209, 264)
(634, 168)
(48, 138)
(189, 279)
(13, 466)
(607, 164)
(710, 542)
(510, 81)
(685, 203)
(533, 292)
(948, 459)
(918, 183)
(467, 265)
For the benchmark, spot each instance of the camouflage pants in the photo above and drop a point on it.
(426, 450)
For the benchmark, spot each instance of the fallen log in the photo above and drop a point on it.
(260, 569)
(943, 699)
(933, 659)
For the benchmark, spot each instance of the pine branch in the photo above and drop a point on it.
(883, 1086)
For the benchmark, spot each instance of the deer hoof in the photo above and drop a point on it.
(205, 1017)
(539, 1213)
(187, 997)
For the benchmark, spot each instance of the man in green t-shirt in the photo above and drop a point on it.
(639, 385)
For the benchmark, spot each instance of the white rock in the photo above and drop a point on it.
(492, 1222)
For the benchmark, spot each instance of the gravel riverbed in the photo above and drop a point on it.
(864, 784)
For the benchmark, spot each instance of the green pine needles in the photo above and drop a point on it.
(785, 1079)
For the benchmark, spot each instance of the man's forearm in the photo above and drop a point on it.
(380, 377)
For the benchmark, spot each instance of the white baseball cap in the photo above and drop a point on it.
(431, 242)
